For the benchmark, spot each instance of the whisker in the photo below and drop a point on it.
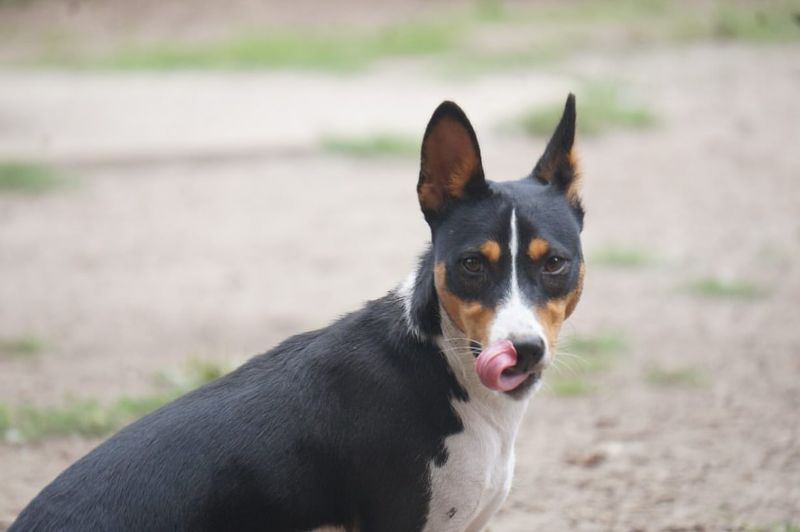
(579, 359)
(461, 352)
(562, 364)
(460, 339)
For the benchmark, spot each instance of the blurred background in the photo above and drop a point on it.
(185, 184)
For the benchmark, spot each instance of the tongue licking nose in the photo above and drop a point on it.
(495, 366)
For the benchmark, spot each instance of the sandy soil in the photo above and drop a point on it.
(141, 266)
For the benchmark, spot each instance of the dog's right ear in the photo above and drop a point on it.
(451, 167)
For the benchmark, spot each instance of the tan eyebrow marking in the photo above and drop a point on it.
(537, 248)
(491, 250)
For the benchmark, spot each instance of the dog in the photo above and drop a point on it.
(400, 416)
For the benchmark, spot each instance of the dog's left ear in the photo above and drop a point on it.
(558, 165)
(451, 169)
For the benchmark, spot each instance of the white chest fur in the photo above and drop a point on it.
(470, 487)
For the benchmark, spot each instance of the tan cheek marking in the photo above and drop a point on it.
(551, 316)
(537, 248)
(574, 296)
(472, 318)
(477, 319)
(491, 250)
(553, 313)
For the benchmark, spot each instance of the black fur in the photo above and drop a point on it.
(336, 426)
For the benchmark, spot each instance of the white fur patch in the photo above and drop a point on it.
(470, 487)
(405, 292)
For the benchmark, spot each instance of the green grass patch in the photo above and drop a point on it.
(21, 346)
(615, 256)
(586, 359)
(81, 417)
(281, 49)
(491, 10)
(377, 145)
(608, 343)
(580, 358)
(686, 377)
(570, 387)
(601, 108)
(637, 22)
(716, 288)
(195, 372)
(766, 21)
(473, 38)
(18, 177)
(788, 526)
(88, 417)
(5, 419)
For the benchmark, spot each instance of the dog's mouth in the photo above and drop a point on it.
(497, 368)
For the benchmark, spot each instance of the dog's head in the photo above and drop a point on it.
(506, 257)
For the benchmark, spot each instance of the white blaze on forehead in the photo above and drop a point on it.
(515, 319)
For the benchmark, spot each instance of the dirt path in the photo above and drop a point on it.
(140, 267)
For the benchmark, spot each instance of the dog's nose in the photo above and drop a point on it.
(529, 353)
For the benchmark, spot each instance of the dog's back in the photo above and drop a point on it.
(292, 440)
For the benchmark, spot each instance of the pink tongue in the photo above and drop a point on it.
(495, 359)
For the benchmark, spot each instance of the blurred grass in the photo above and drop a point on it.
(637, 22)
(5, 419)
(617, 256)
(718, 288)
(604, 343)
(194, 373)
(24, 346)
(581, 358)
(376, 145)
(774, 21)
(303, 49)
(17, 177)
(570, 387)
(89, 417)
(602, 108)
(81, 417)
(686, 377)
(787, 526)
(475, 37)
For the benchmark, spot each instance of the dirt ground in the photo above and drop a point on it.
(148, 261)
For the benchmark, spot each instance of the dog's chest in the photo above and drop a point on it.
(469, 488)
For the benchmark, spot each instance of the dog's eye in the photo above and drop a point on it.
(472, 264)
(555, 265)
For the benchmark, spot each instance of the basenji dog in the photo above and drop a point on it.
(400, 416)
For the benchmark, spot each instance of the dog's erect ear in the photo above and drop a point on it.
(451, 167)
(558, 166)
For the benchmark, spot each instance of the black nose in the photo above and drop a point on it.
(529, 353)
